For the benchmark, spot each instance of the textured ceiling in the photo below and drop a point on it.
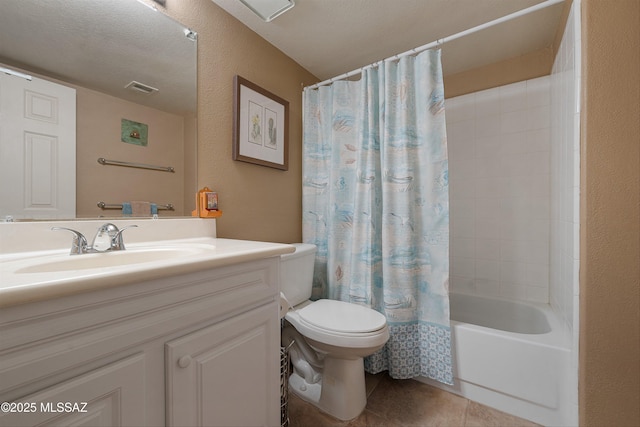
(102, 45)
(331, 37)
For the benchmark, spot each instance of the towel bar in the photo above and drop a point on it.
(104, 205)
(104, 161)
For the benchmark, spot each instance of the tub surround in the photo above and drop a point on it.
(499, 143)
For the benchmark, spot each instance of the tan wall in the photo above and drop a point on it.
(190, 162)
(529, 66)
(258, 202)
(512, 70)
(98, 135)
(609, 380)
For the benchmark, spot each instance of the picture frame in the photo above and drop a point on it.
(260, 126)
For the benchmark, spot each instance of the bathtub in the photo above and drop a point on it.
(510, 356)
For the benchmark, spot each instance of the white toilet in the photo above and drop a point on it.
(329, 338)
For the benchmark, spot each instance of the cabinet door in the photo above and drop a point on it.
(227, 374)
(109, 396)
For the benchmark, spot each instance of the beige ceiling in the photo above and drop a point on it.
(332, 37)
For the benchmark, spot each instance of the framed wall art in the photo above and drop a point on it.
(260, 126)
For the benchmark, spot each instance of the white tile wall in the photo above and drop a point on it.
(499, 171)
(565, 174)
(514, 173)
(565, 193)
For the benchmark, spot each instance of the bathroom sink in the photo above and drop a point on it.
(129, 257)
(36, 264)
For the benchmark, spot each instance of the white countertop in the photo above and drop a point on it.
(21, 282)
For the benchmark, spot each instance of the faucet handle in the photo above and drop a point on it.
(79, 244)
(118, 242)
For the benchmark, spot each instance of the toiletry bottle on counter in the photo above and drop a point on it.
(206, 204)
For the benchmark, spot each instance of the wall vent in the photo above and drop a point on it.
(139, 87)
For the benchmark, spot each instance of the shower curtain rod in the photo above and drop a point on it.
(439, 42)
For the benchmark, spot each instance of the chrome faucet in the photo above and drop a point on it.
(107, 238)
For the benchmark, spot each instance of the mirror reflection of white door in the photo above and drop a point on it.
(37, 148)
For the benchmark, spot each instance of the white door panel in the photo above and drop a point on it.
(37, 148)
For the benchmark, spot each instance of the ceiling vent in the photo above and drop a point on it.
(268, 10)
(139, 87)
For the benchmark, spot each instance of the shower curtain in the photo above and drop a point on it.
(375, 202)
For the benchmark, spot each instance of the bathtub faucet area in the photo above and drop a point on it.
(107, 238)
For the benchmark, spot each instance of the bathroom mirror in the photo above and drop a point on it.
(127, 62)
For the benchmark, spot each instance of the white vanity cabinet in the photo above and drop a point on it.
(106, 396)
(199, 348)
(220, 375)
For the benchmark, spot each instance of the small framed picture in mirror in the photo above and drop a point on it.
(260, 126)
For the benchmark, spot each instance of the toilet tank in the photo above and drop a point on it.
(296, 273)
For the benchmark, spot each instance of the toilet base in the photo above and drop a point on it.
(341, 393)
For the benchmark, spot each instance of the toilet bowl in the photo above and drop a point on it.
(328, 340)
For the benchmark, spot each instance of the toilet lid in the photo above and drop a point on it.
(342, 316)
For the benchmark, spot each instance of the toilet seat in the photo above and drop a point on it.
(339, 323)
(342, 317)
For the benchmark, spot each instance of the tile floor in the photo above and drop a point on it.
(404, 403)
